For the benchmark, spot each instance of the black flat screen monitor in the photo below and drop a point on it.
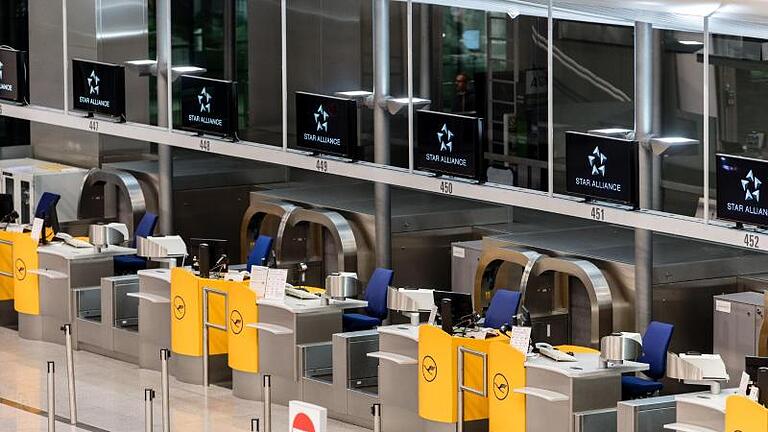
(461, 304)
(216, 248)
(13, 75)
(209, 106)
(601, 167)
(98, 88)
(752, 364)
(326, 124)
(6, 207)
(740, 189)
(450, 144)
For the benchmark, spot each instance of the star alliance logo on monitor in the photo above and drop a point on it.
(751, 187)
(321, 119)
(204, 99)
(93, 83)
(597, 162)
(445, 138)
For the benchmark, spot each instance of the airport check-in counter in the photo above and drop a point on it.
(8, 314)
(287, 330)
(231, 305)
(645, 415)
(69, 283)
(154, 298)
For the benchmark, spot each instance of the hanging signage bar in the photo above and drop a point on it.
(14, 85)
(450, 144)
(601, 167)
(739, 190)
(209, 106)
(326, 124)
(98, 88)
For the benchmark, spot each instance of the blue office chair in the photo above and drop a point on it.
(376, 296)
(130, 264)
(46, 204)
(260, 253)
(503, 308)
(656, 341)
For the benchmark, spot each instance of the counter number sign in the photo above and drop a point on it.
(429, 369)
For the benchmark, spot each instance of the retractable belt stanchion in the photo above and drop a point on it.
(267, 403)
(51, 397)
(67, 329)
(376, 412)
(255, 425)
(149, 397)
(165, 354)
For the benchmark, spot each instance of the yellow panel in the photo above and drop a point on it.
(506, 372)
(217, 313)
(243, 341)
(26, 288)
(577, 349)
(438, 382)
(744, 415)
(186, 314)
(6, 266)
(437, 375)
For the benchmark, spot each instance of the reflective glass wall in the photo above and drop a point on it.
(14, 33)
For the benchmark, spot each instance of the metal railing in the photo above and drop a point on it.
(464, 388)
(209, 325)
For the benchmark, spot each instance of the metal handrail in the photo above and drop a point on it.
(208, 325)
(462, 388)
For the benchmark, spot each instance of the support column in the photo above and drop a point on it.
(164, 152)
(230, 40)
(643, 129)
(658, 160)
(383, 209)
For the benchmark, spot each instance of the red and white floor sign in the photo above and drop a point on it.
(304, 417)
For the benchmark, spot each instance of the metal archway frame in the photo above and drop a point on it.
(598, 290)
(337, 226)
(279, 209)
(129, 189)
(490, 262)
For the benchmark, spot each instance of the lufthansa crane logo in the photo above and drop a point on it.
(20, 268)
(179, 308)
(500, 387)
(597, 162)
(428, 369)
(236, 320)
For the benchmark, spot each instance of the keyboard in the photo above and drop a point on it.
(299, 293)
(557, 355)
(74, 242)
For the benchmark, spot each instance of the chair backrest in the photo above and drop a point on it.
(376, 293)
(146, 226)
(503, 307)
(46, 204)
(656, 341)
(260, 252)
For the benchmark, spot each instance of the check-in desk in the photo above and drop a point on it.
(399, 378)
(556, 392)
(8, 314)
(701, 412)
(742, 414)
(154, 315)
(438, 379)
(288, 332)
(226, 308)
(69, 287)
(18, 289)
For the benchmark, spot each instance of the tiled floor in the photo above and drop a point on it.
(110, 394)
